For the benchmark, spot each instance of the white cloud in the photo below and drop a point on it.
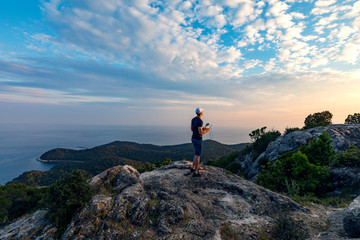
(324, 3)
(270, 65)
(324, 21)
(186, 5)
(252, 32)
(230, 55)
(235, 3)
(355, 10)
(297, 15)
(277, 8)
(319, 62)
(345, 32)
(246, 12)
(356, 24)
(351, 51)
(342, 33)
(252, 63)
(218, 21)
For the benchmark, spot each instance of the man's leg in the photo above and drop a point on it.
(197, 164)
(193, 164)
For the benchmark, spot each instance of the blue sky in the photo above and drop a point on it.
(247, 63)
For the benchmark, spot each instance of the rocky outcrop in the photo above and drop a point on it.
(343, 135)
(35, 226)
(169, 203)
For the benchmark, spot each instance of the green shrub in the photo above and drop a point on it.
(257, 133)
(337, 201)
(349, 157)
(148, 167)
(5, 203)
(318, 119)
(272, 176)
(320, 150)
(210, 162)
(66, 196)
(233, 167)
(227, 162)
(292, 188)
(355, 118)
(246, 150)
(287, 228)
(167, 161)
(290, 129)
(18, 199)
(303, 172)
(263, 139)
(263, 161)
(309, 177)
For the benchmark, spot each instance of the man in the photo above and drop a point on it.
(198, 130)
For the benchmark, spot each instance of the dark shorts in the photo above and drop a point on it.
(197, 146)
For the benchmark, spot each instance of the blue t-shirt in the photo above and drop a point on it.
(196, 122)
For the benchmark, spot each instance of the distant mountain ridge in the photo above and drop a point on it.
(97, 159)
(141, 152)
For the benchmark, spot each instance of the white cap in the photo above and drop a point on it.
(199, 110)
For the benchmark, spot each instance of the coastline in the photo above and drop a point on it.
(58, 161)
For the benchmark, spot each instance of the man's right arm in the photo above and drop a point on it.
(203, 130)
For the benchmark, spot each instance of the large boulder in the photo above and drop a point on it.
(352, 219)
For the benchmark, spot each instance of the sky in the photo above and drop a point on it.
(141, 62)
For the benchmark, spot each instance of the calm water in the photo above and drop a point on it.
(21, 145)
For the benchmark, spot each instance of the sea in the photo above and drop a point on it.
(21, 145)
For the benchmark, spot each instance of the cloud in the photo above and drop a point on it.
(245, 12)
(241, 54)
(351, 51)
(270, 65)
(252, 63)
(355, 10)
(324, 3)
(171, 38)
(48, 96)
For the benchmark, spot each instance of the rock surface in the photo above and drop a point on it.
(168, 203)
(345, 176)
(352, 219)
(34, 227)
(343, 135)
(344, 223)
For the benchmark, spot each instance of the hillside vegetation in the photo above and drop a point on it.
(141, 152)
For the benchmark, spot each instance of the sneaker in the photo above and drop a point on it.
(196, 175)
